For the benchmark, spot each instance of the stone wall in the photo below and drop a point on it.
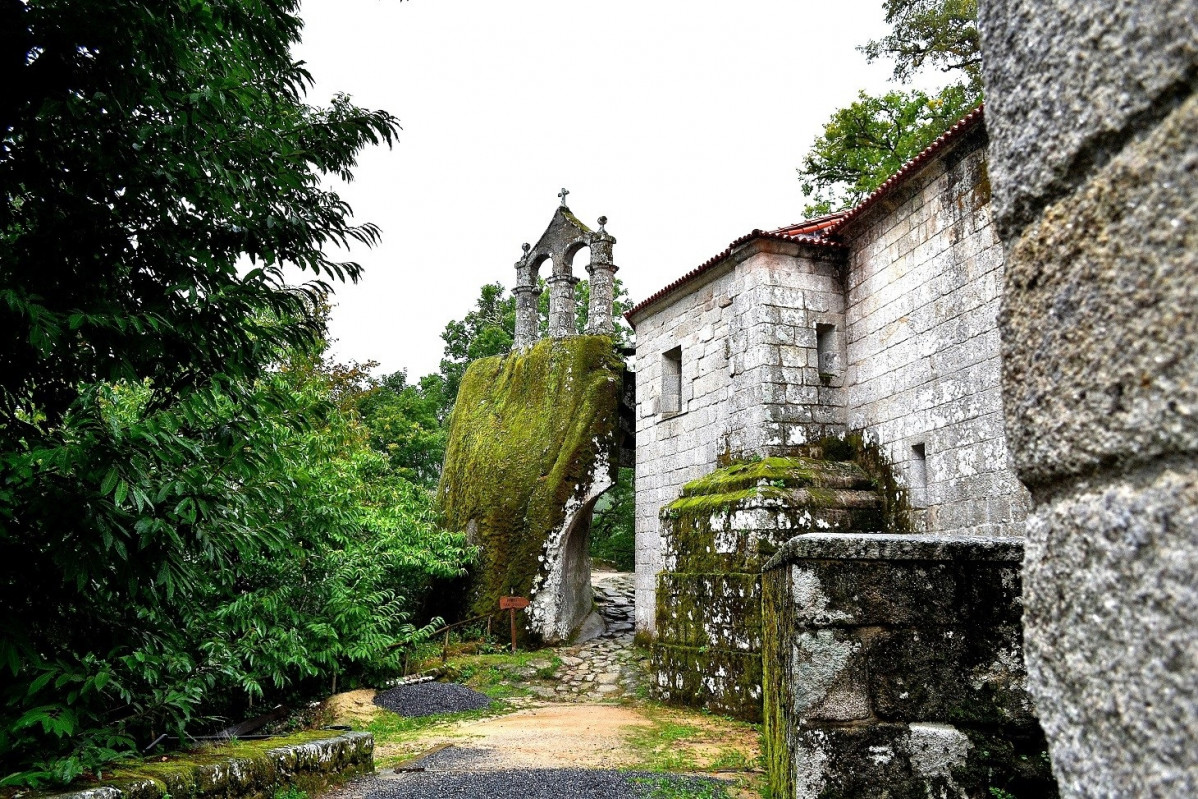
(1094, 125)
(750, 378)
(893, 667)
(243, 770)
(924, 286)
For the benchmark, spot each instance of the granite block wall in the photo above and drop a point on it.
(924, 284)
(1094, 119)
(750, 379)
(893, 667)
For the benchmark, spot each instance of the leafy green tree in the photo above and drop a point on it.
(160, 484)
(613, 532)
(869, 140)
(406, 424)
(936, 33)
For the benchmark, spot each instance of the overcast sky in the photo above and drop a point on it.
(682, 122)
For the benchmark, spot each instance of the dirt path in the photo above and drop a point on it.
(578, 709)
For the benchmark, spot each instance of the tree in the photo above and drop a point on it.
(939, 33)
(866, 142)
(159, 169)
(146, 151)
(406, 424)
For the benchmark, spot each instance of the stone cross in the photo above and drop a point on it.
(563, 194)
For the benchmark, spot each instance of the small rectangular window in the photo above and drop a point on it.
(671, 381)
(918, 494)
(825, 348)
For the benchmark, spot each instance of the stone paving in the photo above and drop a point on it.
(608, 666)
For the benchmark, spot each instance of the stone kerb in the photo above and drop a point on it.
(314, 760)
(896, 660)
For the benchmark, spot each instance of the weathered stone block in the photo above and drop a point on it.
(915, 761)
(1100, 334)
(1110, 628)
(1045, 133)
(716, 679)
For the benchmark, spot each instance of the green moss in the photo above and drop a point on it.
(524, 438)
(238, 768)
(719, 680)
(737, 477)
(708, 504)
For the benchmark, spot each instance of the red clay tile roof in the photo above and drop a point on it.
(821, 230)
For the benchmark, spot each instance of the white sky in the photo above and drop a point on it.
(682, 122)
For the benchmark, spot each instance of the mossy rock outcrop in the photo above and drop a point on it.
(530, 449)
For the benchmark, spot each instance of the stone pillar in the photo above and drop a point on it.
(563, 320)
(602, 274)
(526, 317)
(1093, 123)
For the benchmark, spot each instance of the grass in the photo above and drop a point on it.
(665, 788)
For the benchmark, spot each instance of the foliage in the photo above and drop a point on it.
(282, 543)
(184, 526)
(145, 151)
(406, 424)
(613, 533)
(939, 33)
(866, 142)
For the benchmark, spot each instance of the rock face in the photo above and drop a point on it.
(1094, 145)
(530, 450)
(894, 662)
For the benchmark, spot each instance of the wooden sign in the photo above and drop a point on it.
(512, 603)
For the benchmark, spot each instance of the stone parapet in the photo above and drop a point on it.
(897, 660)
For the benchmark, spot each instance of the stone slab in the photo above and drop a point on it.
(1100, 330)
(890, 546)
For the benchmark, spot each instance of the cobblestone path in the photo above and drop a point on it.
(606, 667)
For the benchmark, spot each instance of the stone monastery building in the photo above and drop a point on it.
(881, 320)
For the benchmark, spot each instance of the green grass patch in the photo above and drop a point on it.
(665, 788)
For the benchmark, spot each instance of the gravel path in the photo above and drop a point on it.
(427, 698)
(517, 784)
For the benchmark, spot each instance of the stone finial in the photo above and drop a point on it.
(526, 247)
(563, 194)
(602, 222)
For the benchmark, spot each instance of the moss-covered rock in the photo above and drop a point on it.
(720, 680)
(530, 436)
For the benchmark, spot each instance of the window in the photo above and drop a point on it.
(671, 381)
(918, 494)
(825, 348)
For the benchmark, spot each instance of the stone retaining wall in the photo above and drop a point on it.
(897, 661)
(250, 771)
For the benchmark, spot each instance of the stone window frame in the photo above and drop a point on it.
(671, 383)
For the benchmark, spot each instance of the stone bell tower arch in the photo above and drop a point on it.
(558, 245)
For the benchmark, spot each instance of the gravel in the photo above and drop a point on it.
(429, 698)
(527, 784)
